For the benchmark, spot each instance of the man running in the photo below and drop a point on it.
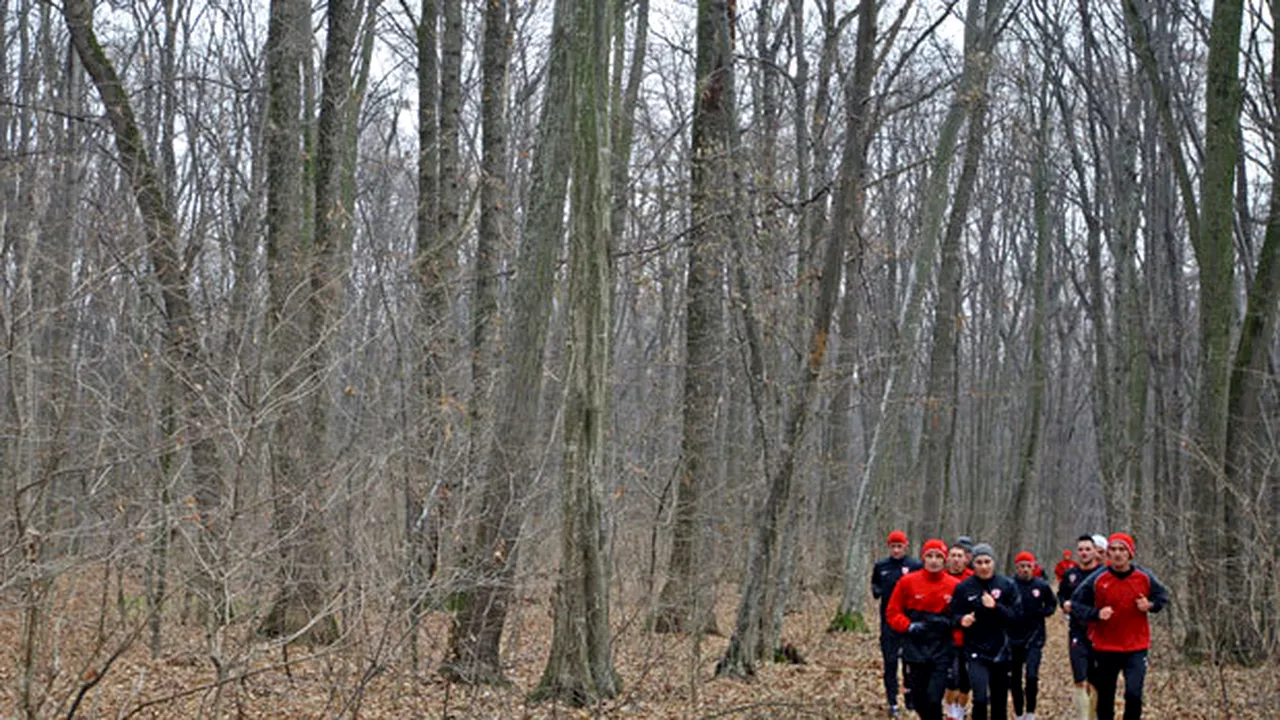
(1065, 564)
(1115, 603)
(919, 607)
(957, 696)
(1026, 634)
(1088, 559)
(884, 577)
(985, 605)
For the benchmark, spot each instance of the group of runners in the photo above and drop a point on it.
(965, 632)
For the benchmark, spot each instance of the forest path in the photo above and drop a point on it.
(664, 676)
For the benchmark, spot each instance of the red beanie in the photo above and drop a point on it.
(1024, 556)
(1124, 539)
(897, 536)
(933, 544)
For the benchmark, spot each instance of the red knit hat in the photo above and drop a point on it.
(897, 536)
(933, 544)
(1124, 539)
(1024, 556)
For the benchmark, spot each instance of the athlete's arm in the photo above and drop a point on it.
(1082, 601)
(1159, 596)
(896, 611)
(1048, 602)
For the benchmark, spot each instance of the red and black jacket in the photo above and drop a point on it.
(1128, 629)
(925, 598)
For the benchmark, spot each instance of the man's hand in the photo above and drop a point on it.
(988, 602)
(1105, 613)
(1143, 603)
(968, 620)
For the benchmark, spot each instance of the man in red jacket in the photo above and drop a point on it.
(1065, 564)
(1115, 603)
(919, 607)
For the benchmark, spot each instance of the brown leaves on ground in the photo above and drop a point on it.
(369, 674)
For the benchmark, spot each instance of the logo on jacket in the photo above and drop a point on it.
(905, 569)
(1035, 593)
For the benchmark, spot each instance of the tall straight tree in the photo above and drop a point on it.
(434, 262)
(580, 668)
(853, 168)
(937, 434)
(1025, 481)
(1245, 416)
(430, 490)
(305, 275)
(1210, 223)
(495, 223)
(477, 629)
(685, 601)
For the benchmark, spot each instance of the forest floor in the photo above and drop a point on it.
(370, 674)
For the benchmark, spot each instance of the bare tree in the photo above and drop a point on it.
(474, 637)
(580, 668)
(684, 603)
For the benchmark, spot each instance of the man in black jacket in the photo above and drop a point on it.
(1026, 634)
(1089, 549)
(884, 576)
(985, 605)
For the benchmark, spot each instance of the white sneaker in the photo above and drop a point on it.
(1029, 716)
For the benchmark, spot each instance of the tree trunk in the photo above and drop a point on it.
(685, 601)
(299, 610)
(580, 669)
(1027, 477)
(624, 114)
(942, 387)
(495, 226)
(1243, 641)
(477, 629)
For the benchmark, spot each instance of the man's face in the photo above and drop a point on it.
(984, 567)
(955, 559)
(1084, 552)
(934, 560)
(1023, 569)
(897, 550)
(1119, 557)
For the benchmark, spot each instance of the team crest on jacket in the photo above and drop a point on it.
(996, 593)
(905, 569)
(1035, 593)
(947, 597)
